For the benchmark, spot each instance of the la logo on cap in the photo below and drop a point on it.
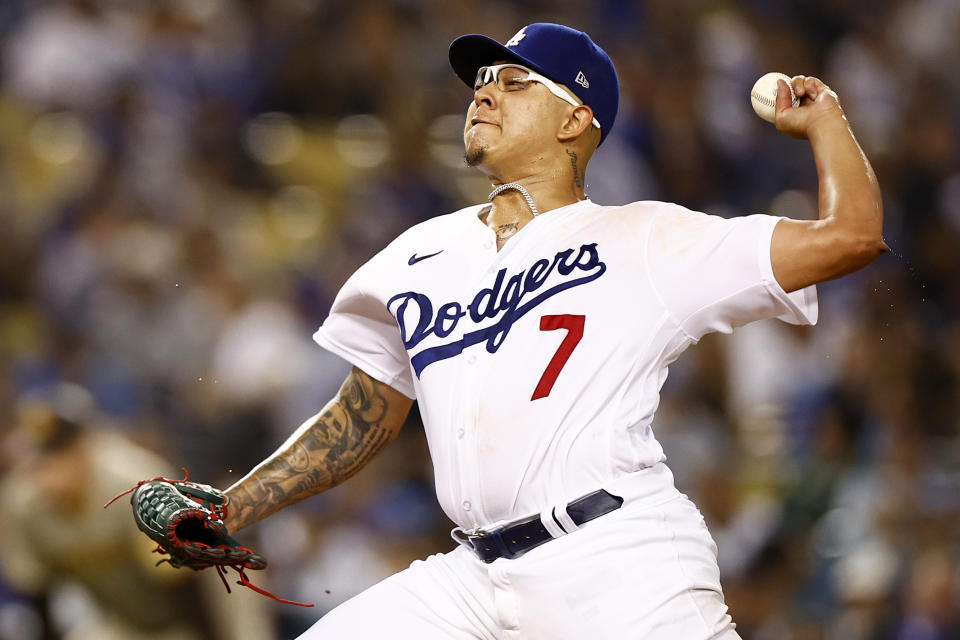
(515, 40)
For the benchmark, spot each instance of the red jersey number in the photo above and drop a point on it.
(574, 327)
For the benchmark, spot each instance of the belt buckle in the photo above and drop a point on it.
(493, 546)
(488, 545)
(466, 536)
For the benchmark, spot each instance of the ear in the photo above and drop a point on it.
(579, 120)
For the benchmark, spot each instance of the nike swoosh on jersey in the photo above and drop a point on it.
(414, 259)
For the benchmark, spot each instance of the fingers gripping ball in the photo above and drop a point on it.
(185, 519)
(763, 96)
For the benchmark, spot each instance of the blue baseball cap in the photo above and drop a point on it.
(560, 53)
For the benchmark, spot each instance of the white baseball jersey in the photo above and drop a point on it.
(538, 368)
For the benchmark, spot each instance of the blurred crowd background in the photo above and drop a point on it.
(185, 184)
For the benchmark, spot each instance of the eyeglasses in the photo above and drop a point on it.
(514, 77)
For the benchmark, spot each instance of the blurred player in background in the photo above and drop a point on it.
(55, 533)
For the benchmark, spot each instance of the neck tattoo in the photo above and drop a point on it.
(576, 171)
(505, 232)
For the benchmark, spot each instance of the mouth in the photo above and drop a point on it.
(474, 121)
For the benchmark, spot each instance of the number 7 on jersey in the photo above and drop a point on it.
(574, 327)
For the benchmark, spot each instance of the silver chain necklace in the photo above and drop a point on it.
(519, 187)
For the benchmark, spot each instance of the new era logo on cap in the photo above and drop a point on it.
(564, 55)
(518, 36)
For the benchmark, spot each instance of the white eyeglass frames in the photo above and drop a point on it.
(514, 77)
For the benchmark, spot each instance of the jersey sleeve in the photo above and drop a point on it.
(363, 332)
(715, 274)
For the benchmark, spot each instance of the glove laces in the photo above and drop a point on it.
(220, 511)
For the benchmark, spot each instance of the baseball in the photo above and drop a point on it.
(763, 96)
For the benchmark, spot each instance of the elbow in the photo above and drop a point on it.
(859, 251)
(869, 247)
(878, 248)
(855, 228)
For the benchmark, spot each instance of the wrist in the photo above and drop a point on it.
(829, 124)
(231, 513)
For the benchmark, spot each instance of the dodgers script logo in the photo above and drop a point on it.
(510, 301)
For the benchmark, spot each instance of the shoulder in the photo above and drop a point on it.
(642, 210)
(675, 223)
(632, 221)
(435, 231)
(670, 229)
(425, 239)
(672, 220)
(681, 239)
(439, 226)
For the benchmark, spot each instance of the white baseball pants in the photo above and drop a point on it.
(641, 572)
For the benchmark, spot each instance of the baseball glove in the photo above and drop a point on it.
(185, 519)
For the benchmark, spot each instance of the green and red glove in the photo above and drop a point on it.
(185, 519)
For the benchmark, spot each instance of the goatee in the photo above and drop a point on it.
(473, 158)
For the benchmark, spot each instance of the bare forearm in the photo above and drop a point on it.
(323, 452)
(849, 234)
(850, 196)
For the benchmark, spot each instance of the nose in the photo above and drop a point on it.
(484, 96)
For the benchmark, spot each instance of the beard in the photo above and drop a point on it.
(475, 157)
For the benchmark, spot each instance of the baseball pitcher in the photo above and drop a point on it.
(535, 330)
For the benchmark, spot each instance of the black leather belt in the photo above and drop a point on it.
(514, 540)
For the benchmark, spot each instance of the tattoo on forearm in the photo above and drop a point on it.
(577, 180)
(333, 446)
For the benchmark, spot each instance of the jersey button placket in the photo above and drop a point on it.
(472, 374)
(479, 362)
(463, 451)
